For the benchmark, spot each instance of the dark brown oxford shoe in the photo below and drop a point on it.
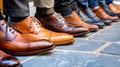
(57, 23)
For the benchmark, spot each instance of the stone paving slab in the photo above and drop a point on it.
(111, 34)
(110, 37)
(60, 58)
(104, 61)
(82, 45)
(113, 49)
(64, 58)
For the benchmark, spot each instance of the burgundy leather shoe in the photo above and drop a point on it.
(7, 60)
(15, 44)
(57, 23)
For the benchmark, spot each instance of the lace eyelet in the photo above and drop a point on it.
(3, 24)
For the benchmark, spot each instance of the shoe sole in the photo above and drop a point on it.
(64, 43)
(80, 34)
(20, 65)
(41, 51)
(94, 30)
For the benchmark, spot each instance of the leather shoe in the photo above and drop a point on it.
(7, 60)
(32, 30)
(57, 23)
(89, 13)
(115, 8)
(106, 8)
(74, 19)
(14, 43)
(90, 21)
(103, 15)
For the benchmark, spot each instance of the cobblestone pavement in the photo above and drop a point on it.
(99, 49)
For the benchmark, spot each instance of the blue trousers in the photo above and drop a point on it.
(108, 1)
(93, 3)
(82, 3)
(86, 3)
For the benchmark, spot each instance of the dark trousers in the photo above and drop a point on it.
(108, 1)
(82, 3)
(20, 8)
(63, 7)
(16, 8)
(93, 3)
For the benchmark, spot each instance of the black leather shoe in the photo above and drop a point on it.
(93, 17)
(106, 8)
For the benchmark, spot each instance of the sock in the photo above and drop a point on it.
(17, 19)
(44, 12)
(1, 17)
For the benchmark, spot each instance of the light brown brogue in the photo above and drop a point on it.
(32, 30)
(7, 60)
(115, 8)
(56, 22)
(74, 19)
(103, 15)
(14, 43)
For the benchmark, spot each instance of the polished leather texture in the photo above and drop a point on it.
(15, 44)
(90, 21)
(106, 8)
(7, 60)
(103, 15)
(33, 30)
(87, 11)
(57, 23)
(74, 19)
(115, 8)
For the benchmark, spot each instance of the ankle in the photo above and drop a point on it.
(1, 17)
(44, 12)
(17, 19)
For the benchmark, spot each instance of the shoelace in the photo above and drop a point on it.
(36, 21)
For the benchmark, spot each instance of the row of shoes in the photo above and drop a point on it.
(35, 35)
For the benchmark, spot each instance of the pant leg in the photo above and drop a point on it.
(44, 6)
(108, 1)
(44, 3)
(16, 8)
(93, 3)
(82, 3)
(63, 7)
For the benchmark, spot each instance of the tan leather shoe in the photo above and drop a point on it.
(103, 15)
(115, 8)
(7, 60)
(15, 44)
(74, 19)
(56, 22)
(32, 30)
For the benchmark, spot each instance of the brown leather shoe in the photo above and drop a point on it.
(115, 8)
(103, 15)
(7, 60)
(57, 23)
(15, 44)
(74, 19)
(32, 30)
